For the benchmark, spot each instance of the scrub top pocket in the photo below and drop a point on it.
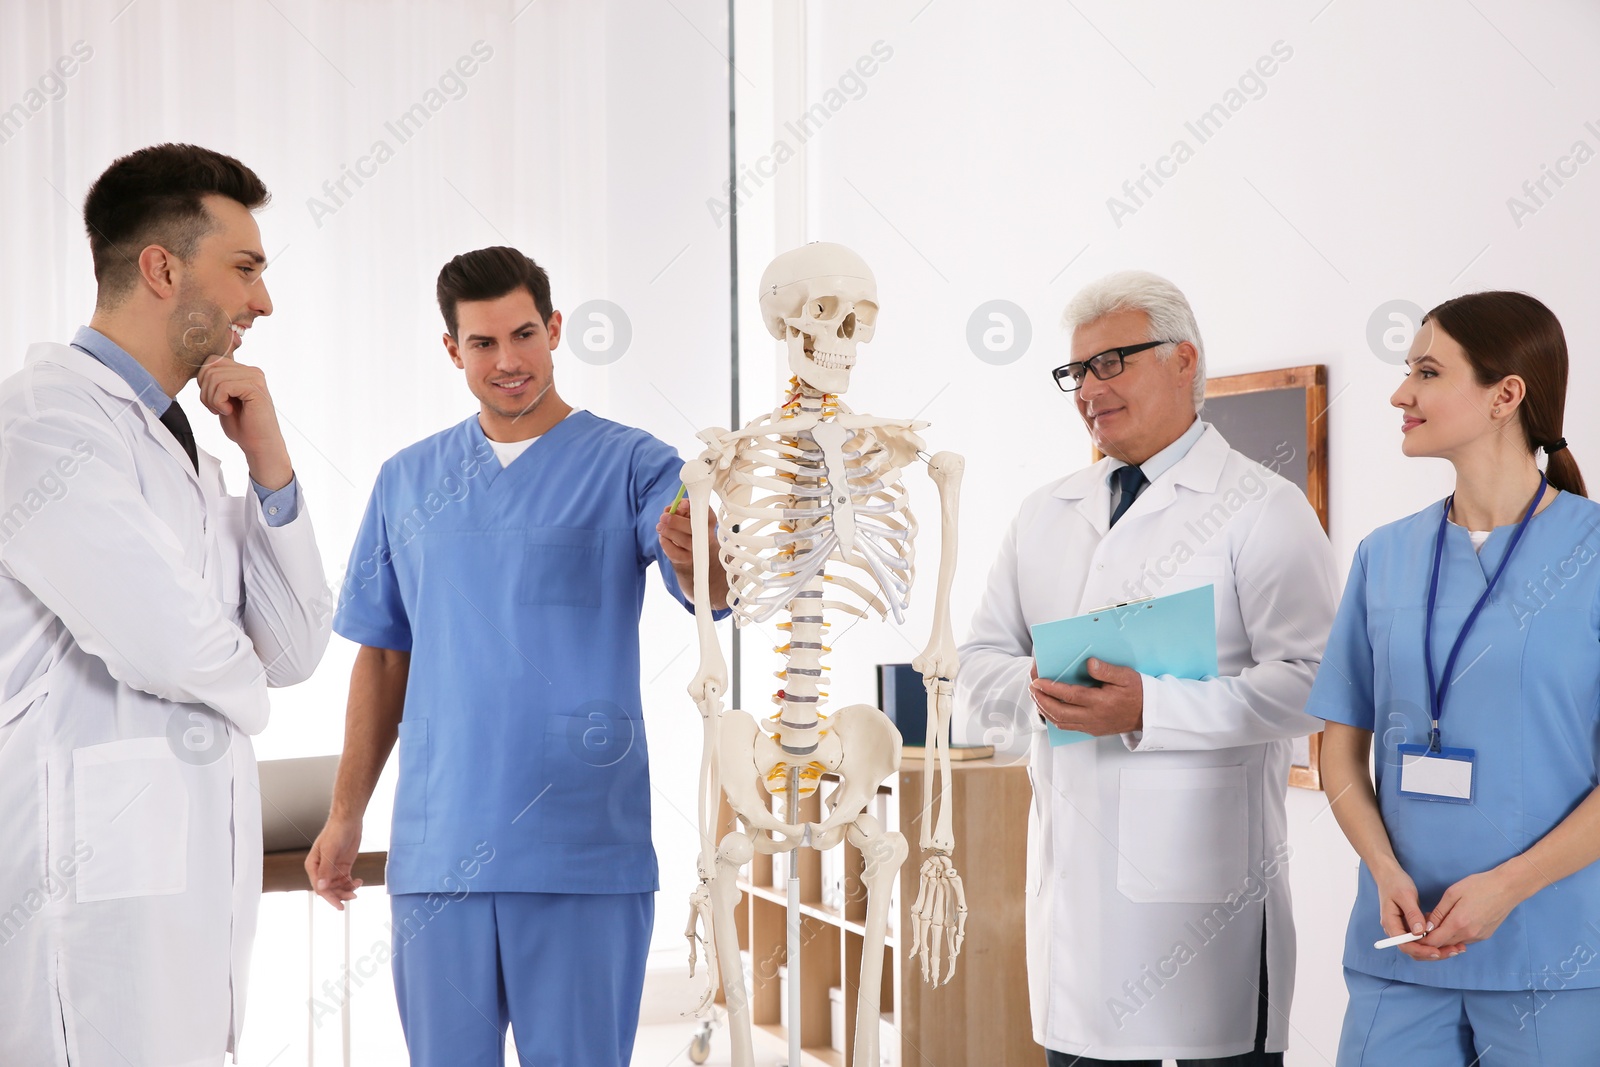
(562, 568)
(1182, 835)
(594, 773)
(410, 823)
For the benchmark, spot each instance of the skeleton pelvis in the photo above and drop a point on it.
(859, 744)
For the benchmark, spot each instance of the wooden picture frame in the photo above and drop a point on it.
(1312, 379)
(1278, 422)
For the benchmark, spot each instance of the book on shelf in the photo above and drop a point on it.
(958, 753)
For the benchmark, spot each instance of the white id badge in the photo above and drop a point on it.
(1446, 775)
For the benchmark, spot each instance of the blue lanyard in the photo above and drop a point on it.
(1437, 689)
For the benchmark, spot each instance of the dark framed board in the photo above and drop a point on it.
(1276, 418)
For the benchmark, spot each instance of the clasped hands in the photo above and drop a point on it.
(1469, 911)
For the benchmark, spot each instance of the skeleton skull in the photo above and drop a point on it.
(822, 300)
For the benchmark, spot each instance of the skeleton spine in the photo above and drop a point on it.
(799, 723)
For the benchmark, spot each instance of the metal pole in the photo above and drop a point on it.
(793, 818)
(311, 979)
(736, 690)
(344, 1005)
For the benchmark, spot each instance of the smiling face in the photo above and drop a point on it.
(1443, 408)
(1148, 406)
(220, 289)
(504, 346)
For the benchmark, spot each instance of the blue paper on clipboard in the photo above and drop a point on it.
(1174, 634)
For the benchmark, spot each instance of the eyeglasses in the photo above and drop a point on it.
(1107, 364)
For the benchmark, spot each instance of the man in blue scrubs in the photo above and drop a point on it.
(495, 588)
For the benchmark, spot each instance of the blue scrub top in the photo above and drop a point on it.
(1526, 696)
(517, 592)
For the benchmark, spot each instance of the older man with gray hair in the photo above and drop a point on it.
(1158, 915)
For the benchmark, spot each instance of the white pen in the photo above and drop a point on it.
(1399, 939)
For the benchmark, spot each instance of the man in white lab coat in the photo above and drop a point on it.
(1157, 886)
(144, 613)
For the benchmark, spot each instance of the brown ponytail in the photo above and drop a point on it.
(1504, 333)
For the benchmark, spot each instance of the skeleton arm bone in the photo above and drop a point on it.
(711, 679)
(940, 913)
(710, 682)
(937, 664)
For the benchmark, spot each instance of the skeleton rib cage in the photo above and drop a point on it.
(775, 543)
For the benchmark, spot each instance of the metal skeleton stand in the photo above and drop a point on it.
(793, 917)
(311, 987)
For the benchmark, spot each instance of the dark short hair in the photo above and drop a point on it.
(489, 273)
(153, 196)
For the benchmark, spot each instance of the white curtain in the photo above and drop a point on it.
(394, 135)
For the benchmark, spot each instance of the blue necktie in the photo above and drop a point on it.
(1130, 480)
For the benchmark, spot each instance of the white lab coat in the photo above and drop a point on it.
(134, 596)
(1151, 856)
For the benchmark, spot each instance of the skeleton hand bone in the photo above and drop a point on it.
(938, 918)
(700, 918)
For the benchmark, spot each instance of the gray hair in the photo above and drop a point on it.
(1171, 317)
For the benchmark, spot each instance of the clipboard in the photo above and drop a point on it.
(1174, 634)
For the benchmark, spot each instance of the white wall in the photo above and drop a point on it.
(1374, 164)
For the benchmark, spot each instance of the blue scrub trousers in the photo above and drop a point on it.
(1391, 1022)
(565, 971)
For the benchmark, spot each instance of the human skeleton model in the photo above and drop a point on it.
(814, 522)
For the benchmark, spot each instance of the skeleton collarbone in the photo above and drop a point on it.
(814, 485)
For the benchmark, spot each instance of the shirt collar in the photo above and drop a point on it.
(130, 370)
(1167, 458)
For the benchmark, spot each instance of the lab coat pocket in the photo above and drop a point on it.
(1182, 834)
(594, 779)
(1216, 572)
(1201, 570)
(561, 567)
(131, 808)
(410, 823)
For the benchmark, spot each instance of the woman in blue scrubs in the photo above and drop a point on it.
(1468, 640)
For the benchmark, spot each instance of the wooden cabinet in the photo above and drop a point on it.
(982, 1015)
